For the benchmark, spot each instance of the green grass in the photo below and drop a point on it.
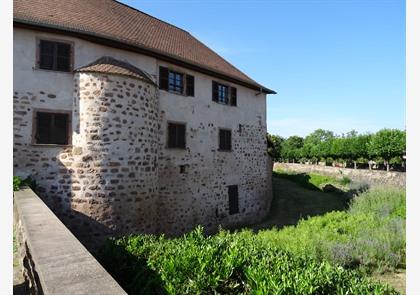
(329, 254)
(369, 236)
(312, 181)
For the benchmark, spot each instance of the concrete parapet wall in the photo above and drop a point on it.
(55, 261)
(372, 177)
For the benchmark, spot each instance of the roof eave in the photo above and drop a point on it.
(136, 48)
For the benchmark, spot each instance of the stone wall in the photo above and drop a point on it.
(54, 261)
(372, 177)
(200, 195)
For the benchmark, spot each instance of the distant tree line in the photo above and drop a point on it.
(384, 149)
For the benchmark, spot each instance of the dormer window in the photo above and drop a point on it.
(224, 94)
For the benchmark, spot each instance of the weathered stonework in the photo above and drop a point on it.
(118, 176)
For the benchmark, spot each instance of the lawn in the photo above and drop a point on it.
(351, 251)
(313, 181)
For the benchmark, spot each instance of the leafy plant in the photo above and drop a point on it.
(327, 254)
(226, 263)
(18, 183)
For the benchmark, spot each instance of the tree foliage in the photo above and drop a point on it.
(387, 146)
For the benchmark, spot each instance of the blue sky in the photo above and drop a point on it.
(335, 64)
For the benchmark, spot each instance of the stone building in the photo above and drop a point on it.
(130, 124)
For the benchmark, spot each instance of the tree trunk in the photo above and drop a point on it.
(355, 165)
(370, 165)
(387, 166)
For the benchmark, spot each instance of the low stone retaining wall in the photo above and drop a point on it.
(55, 262)
(371, 177)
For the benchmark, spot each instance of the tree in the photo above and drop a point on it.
(291, 149)
(387, 143)
(359, 149)
(338, 148)
(274, 146)
(317, 144)
(355, 146)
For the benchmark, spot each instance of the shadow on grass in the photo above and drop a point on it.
(295, 198)
(301, 179)
(130, 271)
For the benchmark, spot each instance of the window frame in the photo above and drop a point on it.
(229, 89)
(167, 135)
(183, 79)
(50, 111)
(38, 54)
(227, 98)
(186, 91)
(219, 147)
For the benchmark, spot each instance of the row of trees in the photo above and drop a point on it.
(386, 146)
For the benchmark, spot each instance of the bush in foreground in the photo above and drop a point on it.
(227, 263)
(370, 235)
(321, 255)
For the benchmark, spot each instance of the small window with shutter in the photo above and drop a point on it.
(176, 135)
(54, 56)
(223, 94)
(176, 82)
(225, 140)
(233, 199)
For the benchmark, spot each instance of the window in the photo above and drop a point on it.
(55, 56)
(225, 140)
(52, 128)
(176, 135)
(224, 94)
(177, 82)
(233, 199)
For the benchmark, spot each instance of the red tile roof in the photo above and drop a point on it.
(110, 65)
(114, 21)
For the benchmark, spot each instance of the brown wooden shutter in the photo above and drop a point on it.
(163, 78)
(190, 85)
(215, 96)
(233, 96)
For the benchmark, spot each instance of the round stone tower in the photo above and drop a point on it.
(115, 141)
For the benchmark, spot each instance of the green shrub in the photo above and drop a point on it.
(371, 234)
(18, 183)
(329, 254)
(345, 180)
(226, 263)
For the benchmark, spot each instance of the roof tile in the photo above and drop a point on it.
(116, 21)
